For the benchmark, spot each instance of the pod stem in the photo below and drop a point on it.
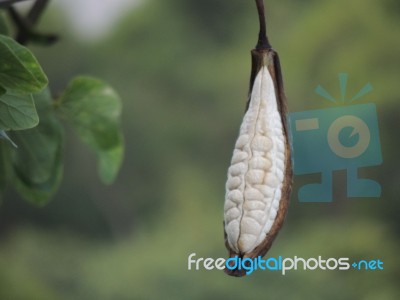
(263, 42)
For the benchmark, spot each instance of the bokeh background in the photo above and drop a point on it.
(182, 70)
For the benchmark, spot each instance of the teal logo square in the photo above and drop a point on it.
(337, 138)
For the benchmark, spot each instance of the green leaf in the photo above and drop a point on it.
(17, 112)
(19, 69)
(37, 163)
(94, 110)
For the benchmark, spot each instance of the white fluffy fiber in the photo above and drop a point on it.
(256, 174)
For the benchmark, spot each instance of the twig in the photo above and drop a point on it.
(36, 11)
(7, 3)
(25, 33)
(263, 42)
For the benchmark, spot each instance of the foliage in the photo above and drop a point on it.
(19, 70)
(94, 109)
(28, 115)
(37, 162)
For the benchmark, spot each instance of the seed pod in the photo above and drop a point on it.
(260, 176)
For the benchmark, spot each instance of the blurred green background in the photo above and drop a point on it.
(182, 69)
